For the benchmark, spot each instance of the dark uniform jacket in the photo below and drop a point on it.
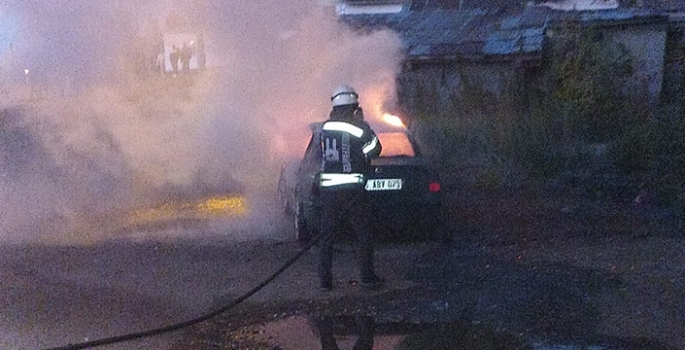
(347, 146)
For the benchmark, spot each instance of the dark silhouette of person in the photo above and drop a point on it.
(186, 54)
(201, 57)
(365, 329)
(174, 57)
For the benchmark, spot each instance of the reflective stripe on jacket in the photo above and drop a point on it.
(346, 150)
(371, 145)
(344, 127)
(355, 131)
(336, 179)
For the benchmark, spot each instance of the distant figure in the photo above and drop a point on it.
(185, 55)
(200, 51)
(174, 57)
(160, 63)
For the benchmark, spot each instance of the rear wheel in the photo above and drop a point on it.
(302, 229)
(285, 205)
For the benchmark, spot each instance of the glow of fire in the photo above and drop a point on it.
(392, 120)
(204, 209)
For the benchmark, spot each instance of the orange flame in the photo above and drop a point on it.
(393, 120)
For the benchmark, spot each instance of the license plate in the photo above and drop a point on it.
(384, 184)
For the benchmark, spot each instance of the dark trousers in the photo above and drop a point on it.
(345, 208)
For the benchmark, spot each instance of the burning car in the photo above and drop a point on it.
(404, 190)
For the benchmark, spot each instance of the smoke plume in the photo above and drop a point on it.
(90, 128)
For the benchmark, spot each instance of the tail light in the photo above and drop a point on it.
(434, 187)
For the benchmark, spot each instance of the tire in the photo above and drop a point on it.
(302, 229)
(285, 205)
(283, 197)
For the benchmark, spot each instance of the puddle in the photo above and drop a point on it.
(366, 333)
(567, 347)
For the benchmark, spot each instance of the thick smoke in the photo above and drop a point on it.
(104, 135)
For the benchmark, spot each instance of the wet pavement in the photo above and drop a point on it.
(436, 293)
(52, 296)
(365, 332)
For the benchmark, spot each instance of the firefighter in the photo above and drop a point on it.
(347, 146)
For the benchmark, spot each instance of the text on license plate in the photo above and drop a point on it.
(383, 184)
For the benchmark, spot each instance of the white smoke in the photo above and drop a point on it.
(111, 137)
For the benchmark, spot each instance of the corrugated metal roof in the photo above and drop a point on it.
(437, 33)
(664, 5)
(611, 16)
(505, 42)
(484, 33)
(449, 4)
(616, 15)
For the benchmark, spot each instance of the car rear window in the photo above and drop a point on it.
(395, 144)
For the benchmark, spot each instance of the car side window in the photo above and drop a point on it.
(312, 156)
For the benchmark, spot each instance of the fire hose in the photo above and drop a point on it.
(188, 323)
(178, 326)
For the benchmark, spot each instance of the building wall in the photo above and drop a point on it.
(646, 45)
(428, 86)
(674, 66)
(433, 86)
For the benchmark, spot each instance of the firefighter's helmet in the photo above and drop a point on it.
(344, 95)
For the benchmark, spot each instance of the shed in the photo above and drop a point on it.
(674, 56)
(641, 31)
(444, 46)
(495, 46)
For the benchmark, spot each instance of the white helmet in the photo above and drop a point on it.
(344, 95)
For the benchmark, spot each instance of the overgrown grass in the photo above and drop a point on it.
(572, 115)
(492, 141)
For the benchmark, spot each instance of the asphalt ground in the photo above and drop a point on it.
(561, 269)
(558, 268)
